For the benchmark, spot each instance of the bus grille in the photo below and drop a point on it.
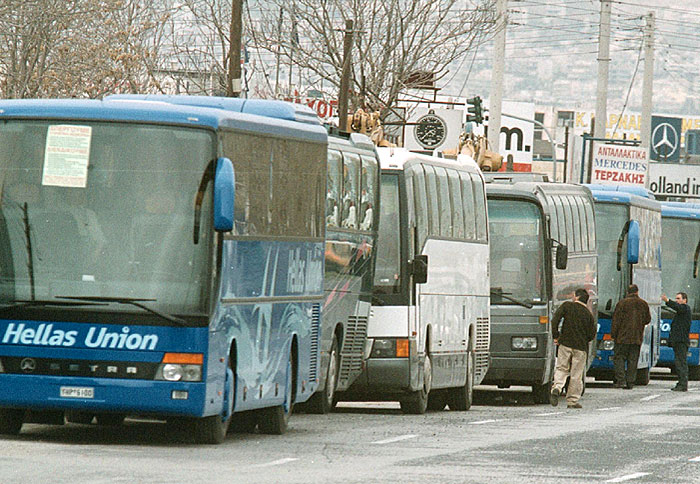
(315, 331)
(481, 348)
(353, 350)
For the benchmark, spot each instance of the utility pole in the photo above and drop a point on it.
(496, 95)
(345, 77)
(233, 84)
(648, 82)
(603, 68)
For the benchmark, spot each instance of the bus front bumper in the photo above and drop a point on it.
(507, 370)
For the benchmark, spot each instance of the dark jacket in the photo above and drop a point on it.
(578, 327)
(629, 318)
(680, 326)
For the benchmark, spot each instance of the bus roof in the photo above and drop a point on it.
(136, 110)
(677, 210)
(262, 107)
(396, 158)
(624, 198)
(639, 191)
(535, 190)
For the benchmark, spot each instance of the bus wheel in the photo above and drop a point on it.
(324, 401)
(243, 422)
(110, 419)
(694, 373)
(209, 430)
(274, 420)
(643, 376)
(460, 399)
(417, 402)
(11, 420)
(540, 393)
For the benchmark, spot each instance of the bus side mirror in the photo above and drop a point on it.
(419, 269)
(224, 190)
(633, 242)
(561, 257)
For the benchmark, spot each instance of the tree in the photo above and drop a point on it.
(394, 40)
(79, 48)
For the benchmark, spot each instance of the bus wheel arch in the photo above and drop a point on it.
(274, 420)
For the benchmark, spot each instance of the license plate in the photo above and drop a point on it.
(77, 392)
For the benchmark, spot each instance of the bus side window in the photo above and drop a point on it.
(369, 183)
(480, 206)
(421, 204)
(560, 220)
(433, 207)
(444, 203)
(576, 222)
(333, 184)
(468, 204)
(579, 201)
(351, 184)
(457, 207)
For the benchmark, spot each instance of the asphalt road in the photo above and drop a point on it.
(645, 435)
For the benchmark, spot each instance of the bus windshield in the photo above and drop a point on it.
(387, 275)
(610, 220)
(517, 251)
(680, 239)
(99, 209)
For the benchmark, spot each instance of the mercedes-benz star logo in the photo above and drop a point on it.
(27, 365)
(664, 140)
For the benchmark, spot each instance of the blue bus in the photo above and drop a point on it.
(628, 231)
(352, 198)
(150, 266)
(681, 248)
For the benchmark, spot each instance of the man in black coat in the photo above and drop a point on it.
(679, 339)
(630, 317)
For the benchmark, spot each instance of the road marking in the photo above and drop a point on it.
(695, 459)
(610, 408)
(548, 414)
(629, 477)
(395, 439)
(481, 422)
(650, 397)
(277, 462)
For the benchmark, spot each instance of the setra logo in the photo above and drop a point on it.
(27, 365)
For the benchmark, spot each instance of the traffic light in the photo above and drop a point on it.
(474, 110)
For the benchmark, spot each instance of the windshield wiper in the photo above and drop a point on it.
(131, 301)
(504, 295)
(22, 303)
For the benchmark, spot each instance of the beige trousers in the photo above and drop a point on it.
(570, 362)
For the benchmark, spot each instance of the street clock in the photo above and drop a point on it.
(430, 130)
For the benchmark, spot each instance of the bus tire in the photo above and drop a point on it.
(324, 401)
(437, 400)
(694, 373)
(79, 417)
(417, 402)
(274, 420)
(460, 399)
(11, 420)
(243, 422)
(540, 393)
(642, 376)
(210, 430)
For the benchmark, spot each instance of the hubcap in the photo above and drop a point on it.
(332, 377)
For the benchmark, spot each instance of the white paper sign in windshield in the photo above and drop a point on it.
(67, 156)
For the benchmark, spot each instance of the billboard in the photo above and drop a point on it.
(517, 137)
(674, 180)
(619, 165)
(665, 141)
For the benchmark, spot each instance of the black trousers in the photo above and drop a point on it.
(626, 353)
(680, 352)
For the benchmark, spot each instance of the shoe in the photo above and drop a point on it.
(679, 389)
(574, 405)
(554, 397)
(628, 387)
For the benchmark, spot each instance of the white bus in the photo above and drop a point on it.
(428, 330)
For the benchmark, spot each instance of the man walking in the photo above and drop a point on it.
(630, 317)
(577, 330)
(678, 339)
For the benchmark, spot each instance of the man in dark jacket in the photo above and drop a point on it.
(678, 339)
(630, 317)
(577, 330)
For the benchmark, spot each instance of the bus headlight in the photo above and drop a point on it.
(607, 345)
(180, 367)
(390, 348)
(175, 372)
(527, 343)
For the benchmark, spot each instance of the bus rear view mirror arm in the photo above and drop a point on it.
(561, 257)
(418, 268)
